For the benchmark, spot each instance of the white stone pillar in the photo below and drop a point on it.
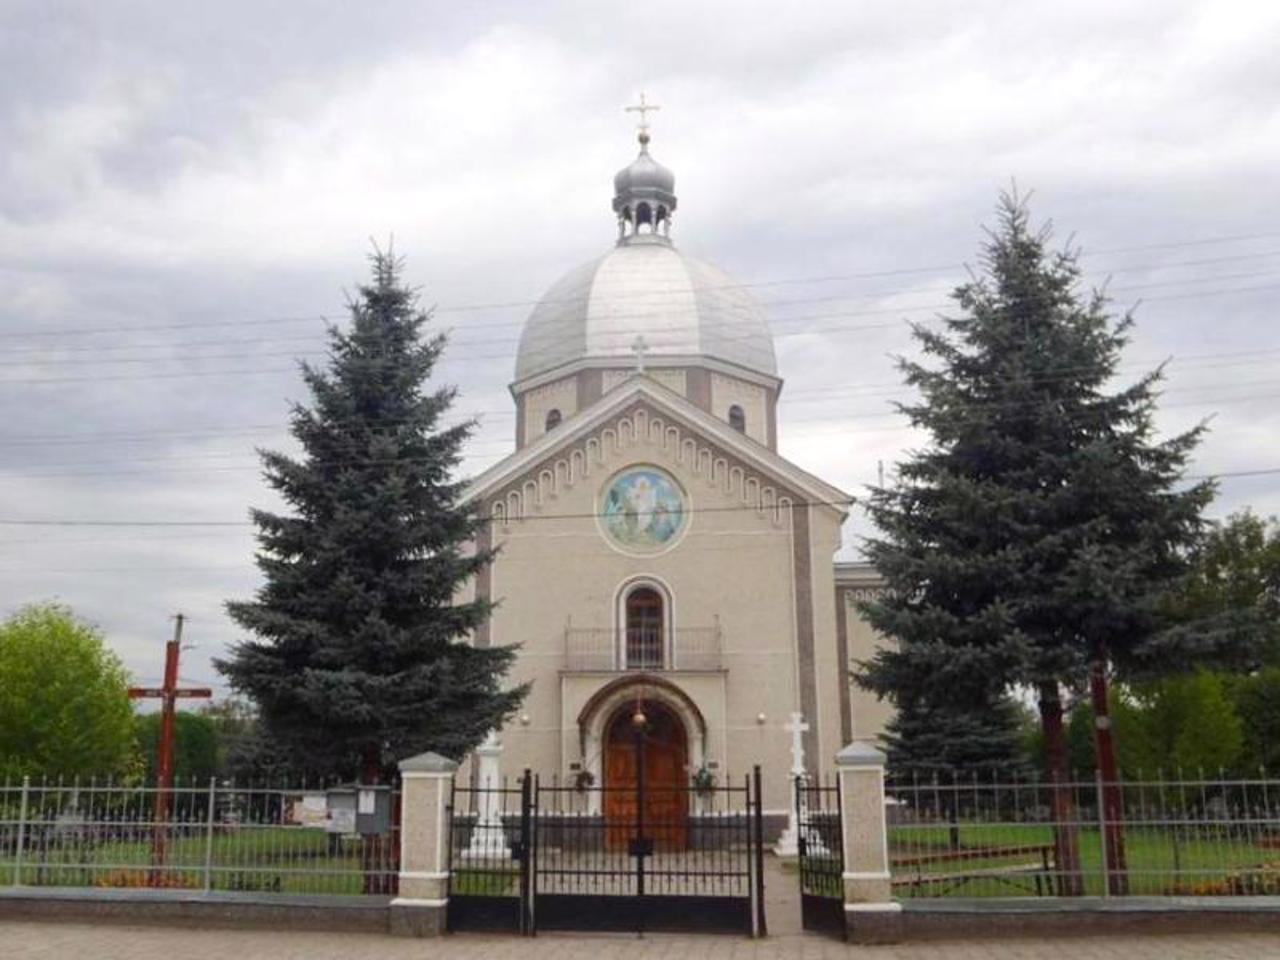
(871, 914)
(488, 834)
(788, 844)
(426, 782)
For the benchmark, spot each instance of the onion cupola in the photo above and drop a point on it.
(644, 196)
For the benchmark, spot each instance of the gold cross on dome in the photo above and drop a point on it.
(643, 108)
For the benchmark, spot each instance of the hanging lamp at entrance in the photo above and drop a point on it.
(643, 510)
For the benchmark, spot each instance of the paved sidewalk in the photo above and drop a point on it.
(20, 940)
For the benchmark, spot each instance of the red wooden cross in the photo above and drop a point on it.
(168, 694)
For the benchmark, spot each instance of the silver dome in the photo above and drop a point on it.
(683, 308)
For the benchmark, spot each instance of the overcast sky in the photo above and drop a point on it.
(186, 189)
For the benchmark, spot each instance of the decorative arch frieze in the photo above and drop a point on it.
(524, 495)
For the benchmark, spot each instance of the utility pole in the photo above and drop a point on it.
(168, 694)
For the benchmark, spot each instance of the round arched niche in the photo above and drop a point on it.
(605, 704)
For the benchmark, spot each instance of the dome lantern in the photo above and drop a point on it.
(644, 196)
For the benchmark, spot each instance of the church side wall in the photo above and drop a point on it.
(870, 715)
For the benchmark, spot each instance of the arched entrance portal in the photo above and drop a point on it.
(660, 750)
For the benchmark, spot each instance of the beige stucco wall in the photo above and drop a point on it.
(870, 715)
(825, 540)
(559, 395)
(671, 379)
(731, 567)
(753, 398)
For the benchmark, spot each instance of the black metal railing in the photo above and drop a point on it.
(636, 855)
(606, 649)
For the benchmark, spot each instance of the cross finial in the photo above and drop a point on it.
(643, 108)
(639, 347)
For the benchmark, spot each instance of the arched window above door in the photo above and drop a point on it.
(644, 639)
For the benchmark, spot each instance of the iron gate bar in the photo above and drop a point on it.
(821, 858)
(761, 926)
(480, 896)
(693, 868)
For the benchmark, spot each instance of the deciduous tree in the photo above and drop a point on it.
(64, 701)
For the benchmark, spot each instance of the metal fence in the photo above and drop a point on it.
(642, 648)
(968, 836)
(210, 836)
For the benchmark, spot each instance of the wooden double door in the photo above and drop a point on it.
(662, 794)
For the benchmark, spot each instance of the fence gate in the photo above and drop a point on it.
(489, 846)
(637, 855)
(821, 848)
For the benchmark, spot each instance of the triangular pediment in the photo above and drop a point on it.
(643, 409)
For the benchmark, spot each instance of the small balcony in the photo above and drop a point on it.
(614, 650)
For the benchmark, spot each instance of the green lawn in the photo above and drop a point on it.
(497, 882)
(271, 859)
(1160, 860)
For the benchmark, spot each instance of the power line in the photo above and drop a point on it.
(14, 522)
(41, 470)
(311, 337)
(1193, 361)
(326, 315)
(246, 523)
(460, 346)
(252, 371)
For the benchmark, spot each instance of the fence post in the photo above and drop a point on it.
(426, 782)
(871, 915)
(1102, 832)
(208, 836)
(22, 831)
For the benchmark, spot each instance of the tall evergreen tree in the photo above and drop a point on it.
(1033, 539)
(930, 737)
(361, 655)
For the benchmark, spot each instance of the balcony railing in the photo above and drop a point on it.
(593, 649)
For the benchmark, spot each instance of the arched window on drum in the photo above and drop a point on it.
(738, 418)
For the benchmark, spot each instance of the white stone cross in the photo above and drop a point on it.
(488, 836)
(797, 728)
(639, 347)
(788, 844)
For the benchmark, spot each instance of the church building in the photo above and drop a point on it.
(656, 550)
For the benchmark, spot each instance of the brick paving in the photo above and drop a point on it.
(38, 940)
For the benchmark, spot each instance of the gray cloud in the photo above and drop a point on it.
(211, 171)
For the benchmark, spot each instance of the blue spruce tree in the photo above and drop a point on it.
(360, 655)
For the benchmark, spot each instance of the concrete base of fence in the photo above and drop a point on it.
(961, 919)
(193, 908)
(416, 918)
(869, 923)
